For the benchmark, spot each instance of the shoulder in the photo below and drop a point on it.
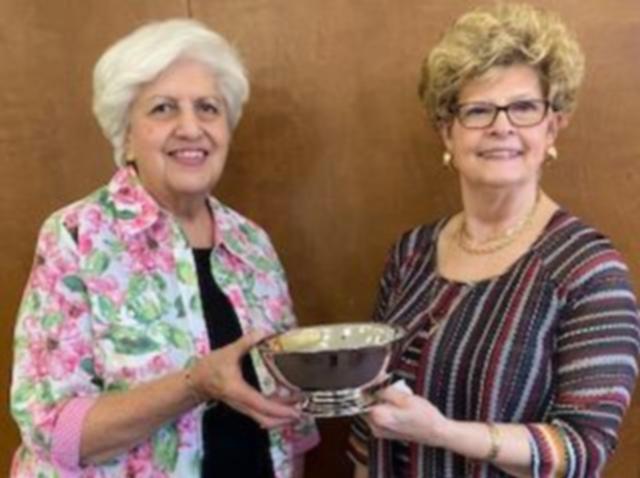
(418, 239)
(243, 237)
(228, 219)
(66, 221)
(576, 253)
(416, 244)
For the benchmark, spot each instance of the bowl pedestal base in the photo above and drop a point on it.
(342, 403)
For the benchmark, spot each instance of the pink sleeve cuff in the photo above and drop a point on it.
(306, 443)
(65, 441)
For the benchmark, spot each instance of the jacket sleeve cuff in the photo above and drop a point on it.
(548, 451)
(306, 443)
(65, 443)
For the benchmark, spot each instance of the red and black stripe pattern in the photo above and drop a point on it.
(552, 343)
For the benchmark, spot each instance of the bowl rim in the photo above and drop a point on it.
(398, 333)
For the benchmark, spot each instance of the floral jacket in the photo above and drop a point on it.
(113, 301)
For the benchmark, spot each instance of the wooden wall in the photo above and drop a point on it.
(333, 157)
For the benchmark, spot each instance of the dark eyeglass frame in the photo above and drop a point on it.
(455, 111)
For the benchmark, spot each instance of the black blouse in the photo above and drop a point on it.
(234, 444)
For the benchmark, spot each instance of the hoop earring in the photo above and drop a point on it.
(552, 155)
(447, 158)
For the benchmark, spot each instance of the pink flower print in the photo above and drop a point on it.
(140, 462)
(54, 354)
(94, 220)
(45, 417)
(236, 298)
(276, 308)
(160, 365)
(71, 220)
(48, 243)
(43, 279)
(187, 425)
(124, 194)
(37, 367)
(66, 350)
(129, 193)
(161, 231)
(128, 374)
(106, 286)
(85, 244)
(148, 255)
(72, 310)
(202, 346)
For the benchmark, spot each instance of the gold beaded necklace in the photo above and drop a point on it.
(499, 241)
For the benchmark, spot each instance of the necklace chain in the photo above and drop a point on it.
(499, 241)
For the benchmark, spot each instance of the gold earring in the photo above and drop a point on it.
(129, 158)
(447, 158)
(552, 155)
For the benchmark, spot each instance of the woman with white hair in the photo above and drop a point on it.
(145, 297)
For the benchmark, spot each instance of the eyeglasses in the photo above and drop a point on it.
(482, 115)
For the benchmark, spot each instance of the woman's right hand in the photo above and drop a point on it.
(218, 375)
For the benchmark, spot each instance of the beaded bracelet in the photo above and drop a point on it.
(494, 435)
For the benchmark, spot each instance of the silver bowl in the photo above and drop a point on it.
(337, 368)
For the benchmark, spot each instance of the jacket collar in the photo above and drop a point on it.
(135, 211)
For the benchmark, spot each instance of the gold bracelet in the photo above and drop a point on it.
(494, 435)
(195, 393)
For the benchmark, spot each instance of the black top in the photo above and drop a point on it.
(234, 444)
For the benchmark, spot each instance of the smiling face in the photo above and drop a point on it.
(179, 134)
(501, 155)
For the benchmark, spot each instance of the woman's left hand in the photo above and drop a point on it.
(402, 416)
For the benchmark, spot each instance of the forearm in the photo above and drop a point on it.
(120, 420)
(473, 440)
(360, 471)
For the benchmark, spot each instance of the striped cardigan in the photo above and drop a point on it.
(552, 343)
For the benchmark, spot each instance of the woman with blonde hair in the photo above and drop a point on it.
(523, 328)
(132, 345)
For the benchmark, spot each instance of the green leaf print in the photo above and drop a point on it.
(250, 232)
(98, 262)
(159, 282)
(107, 309)
(172, 335)
(146, 310)
(45, 393)
(86, 364)
(194, 304)
(31, 304)
(178, 338)
(23, 417)
(145, 299)
(120, 214)
(49, 321)
(115, 247)
(137, 285)
(129, 341)
(262, 263)
(23, 393)
(75, 284)
(180, 312)
(165, 448)
(117, 386)
(104, 199)
(186, 274)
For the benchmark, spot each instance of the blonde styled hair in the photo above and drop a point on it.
(502, 35)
